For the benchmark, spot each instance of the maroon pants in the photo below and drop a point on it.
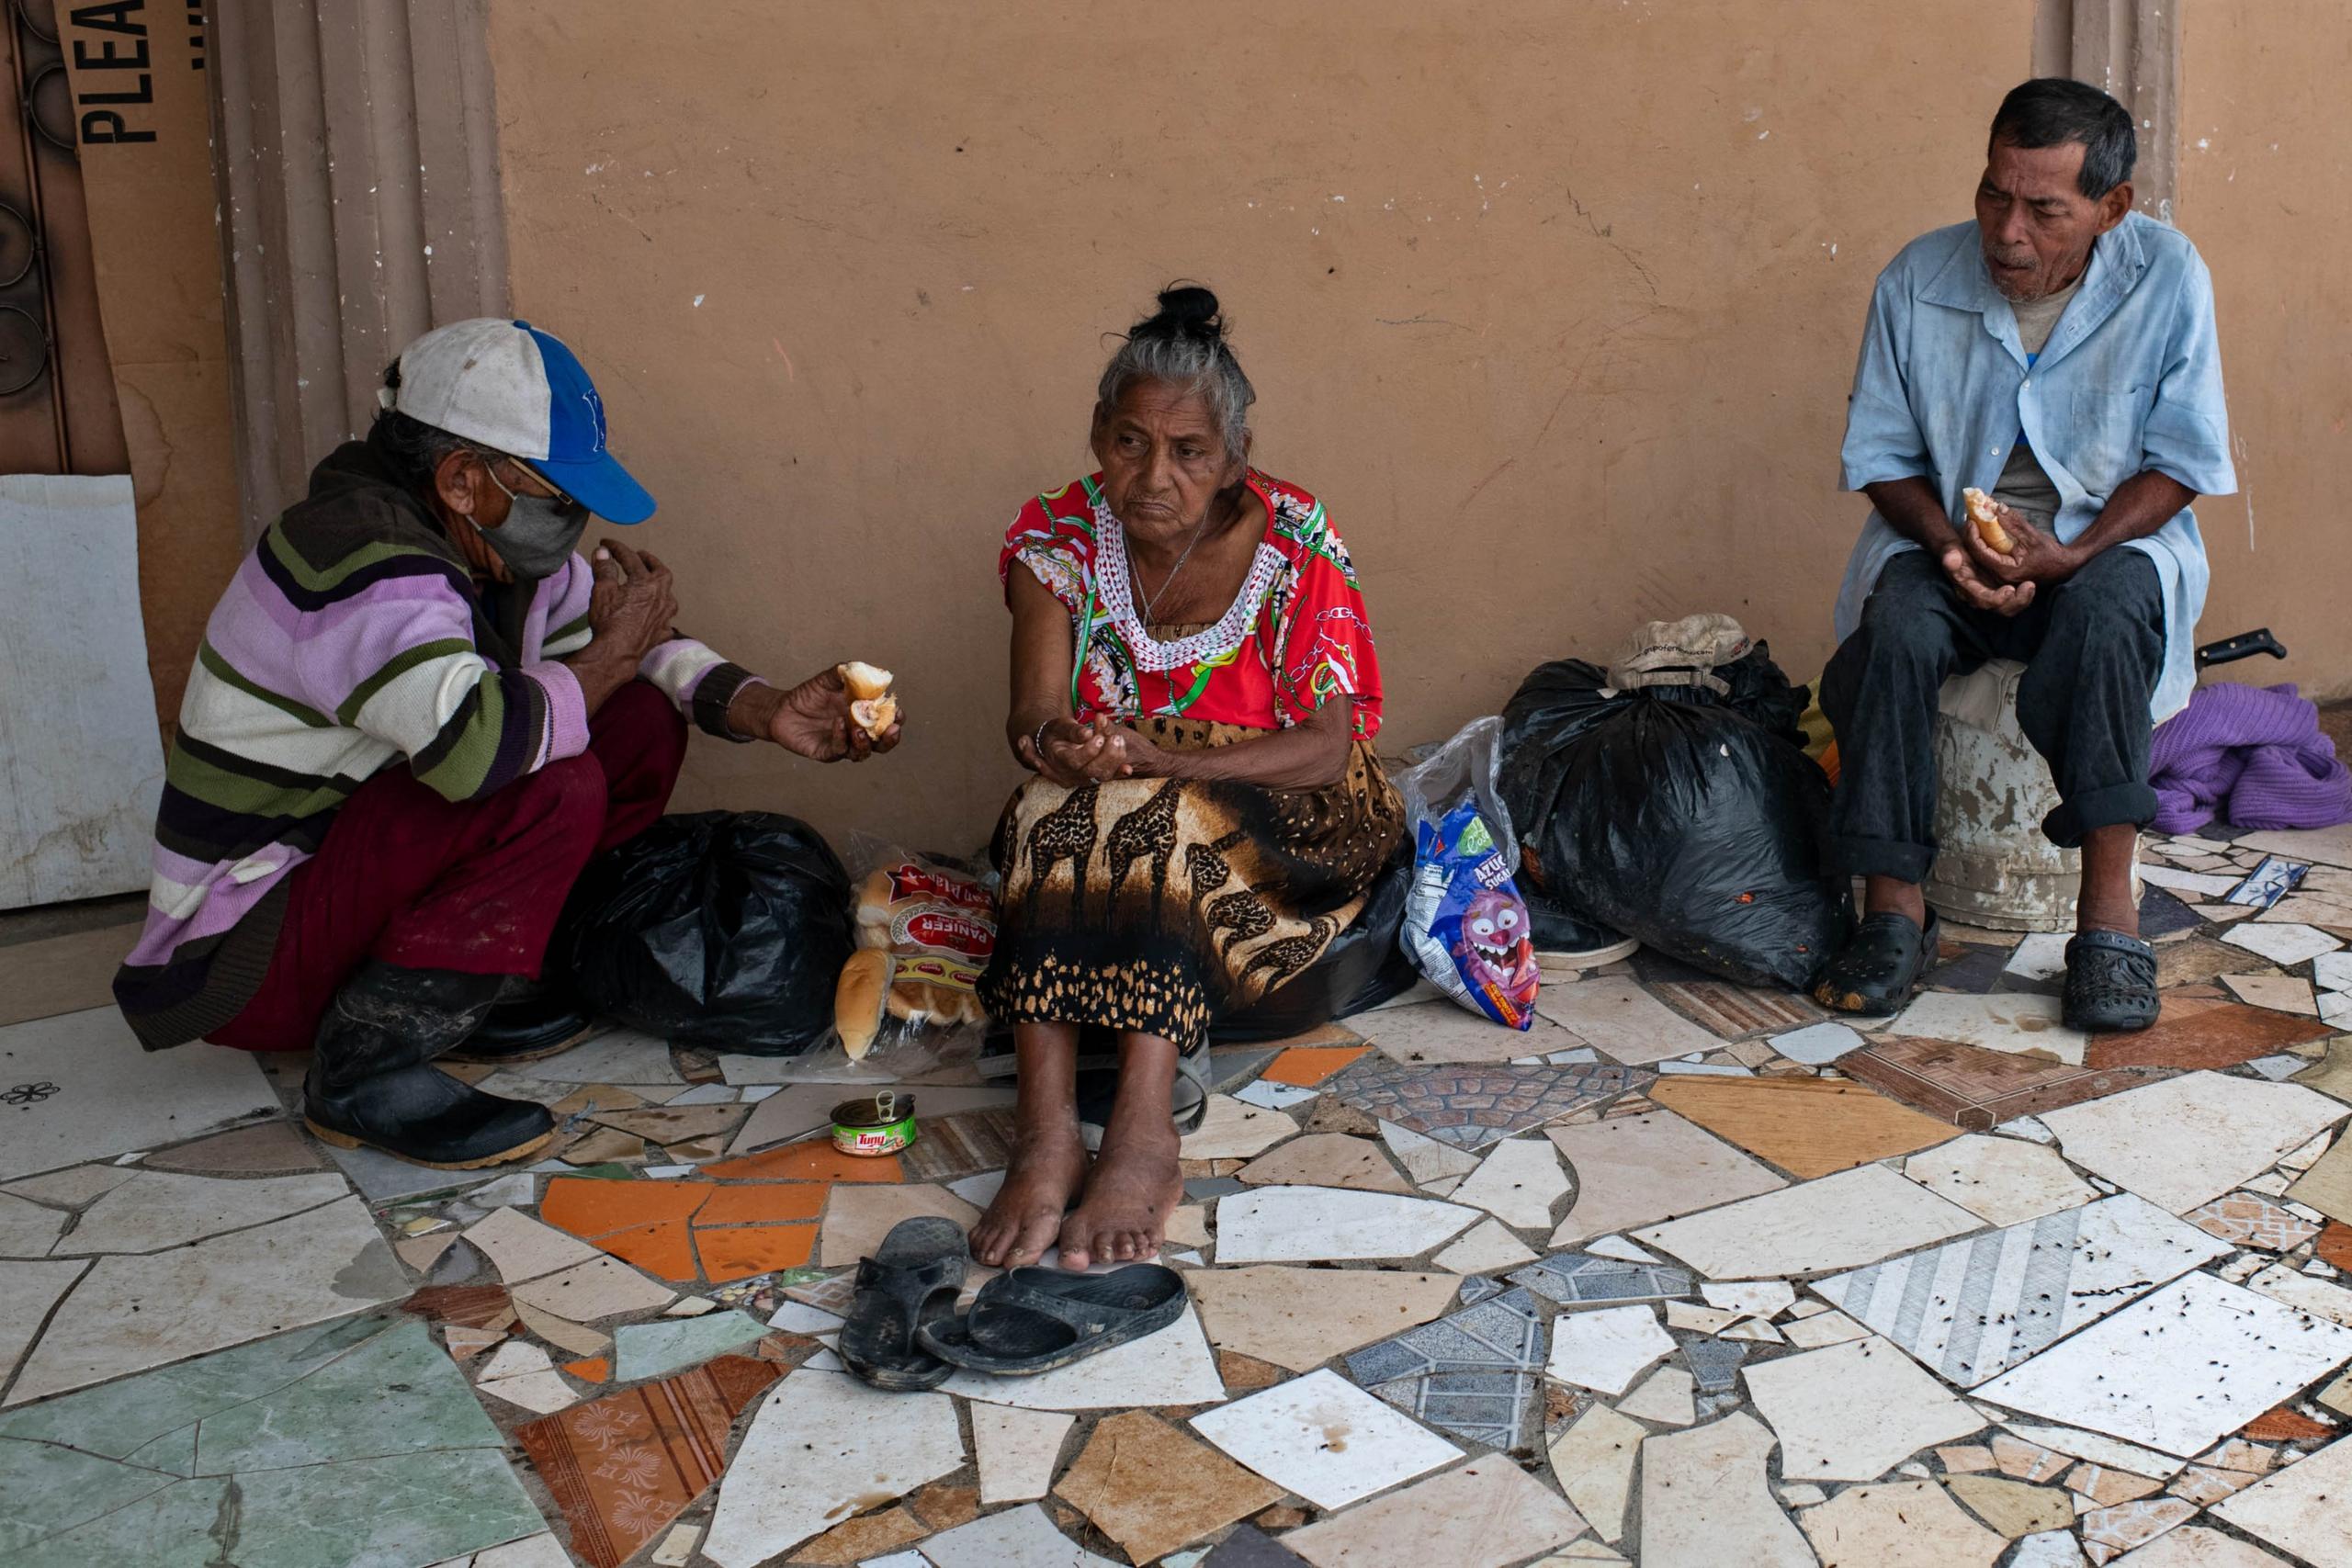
(426, 883)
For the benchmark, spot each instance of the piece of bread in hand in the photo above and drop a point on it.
(1987, 520)
(864, 681)
(875, 715)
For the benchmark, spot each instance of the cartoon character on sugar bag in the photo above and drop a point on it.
(1496, 952)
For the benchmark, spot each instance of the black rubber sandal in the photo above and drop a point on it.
(911, 1281)
(2110, 983)
(1880, 968)
(1028, 1320)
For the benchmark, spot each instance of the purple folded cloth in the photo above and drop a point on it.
(2252, 756)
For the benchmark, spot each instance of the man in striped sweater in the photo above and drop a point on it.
(416, 714)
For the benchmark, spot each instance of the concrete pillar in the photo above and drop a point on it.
(358, 161)
(2130, 48)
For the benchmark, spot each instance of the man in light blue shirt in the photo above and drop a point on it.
(2058, 352)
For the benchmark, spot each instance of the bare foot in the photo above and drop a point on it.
(1022, 1223)
(1135, 1186)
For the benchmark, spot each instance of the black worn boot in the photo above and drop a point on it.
(372, 1082)
(531, 1020)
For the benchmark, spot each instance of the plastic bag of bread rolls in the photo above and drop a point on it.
(925, 926)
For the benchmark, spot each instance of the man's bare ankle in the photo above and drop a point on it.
(1885, 895)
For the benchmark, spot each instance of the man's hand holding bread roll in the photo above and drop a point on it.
(822, 719)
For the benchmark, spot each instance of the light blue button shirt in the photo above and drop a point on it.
(2130, 380)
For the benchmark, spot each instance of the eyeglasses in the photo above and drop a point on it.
(563, 499)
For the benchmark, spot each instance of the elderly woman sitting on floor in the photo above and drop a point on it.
(1193, 683)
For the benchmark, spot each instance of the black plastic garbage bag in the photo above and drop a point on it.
(720, 928)
(1363, 967)
(1692, 820)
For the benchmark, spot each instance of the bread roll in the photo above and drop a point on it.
(1982, 512)
(858, 999)
(875, 715)
(864, 681)
(874, 896)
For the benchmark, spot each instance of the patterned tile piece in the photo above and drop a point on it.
(963, 1145)
(1736, 1011)
(1978, 1089)
(2249, 1219)
(1470, 1107)
(1577, 1279)
(1714, 1363)
(1974, 1308)
(1472, 1373)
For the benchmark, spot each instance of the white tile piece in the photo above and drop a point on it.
(2019, 1022)
(522, 1248)
(1448, 1031)
(822, 1447)
(1171, 1367)
(2049, 1548)
(2218, 1132)
(77, 1186)
(1854, 1411)
(1426, 1159)
(1706, 1504)
(1324, 1438)
(1750, 1298)
(2301, 1508)
(1699, 1319)
(2303, 1292)
(2335, 1009)
(2263, 1350)
(2333, 971)
(1901, 1524)
(114, 1096)
(2108, 1453)
(160, 1208)
(26, 1292)
(1304, 1224)
(1971, 1309)
(2279, 993)
(1487, 1514)
(541, 1393)
(600, 1287)
(1823, 1328)
(1624, 1022)
(130, 1313)
(1843, 1221)
(540, 1550)
(1666, 1396)
(1630, 1171)
(1230, 1130)
(2323, 846)
(2285, 945)
(1606, 1349)
(2201, 884)
(978, 1190)
(1518, 1183)
(1017, 1451)
(1707, 1069)
(1487, 1249)
(1617, 1247)
(2193, 1546)
(2028, 1127)
(1017, 1537)
(1817, 1044)
(619, 1055)
(2001, 1180)
(27, 1230)
(1274, 1096)
(799, 1318)
(2041, 956)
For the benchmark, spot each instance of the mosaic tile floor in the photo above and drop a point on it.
(1688, 1278)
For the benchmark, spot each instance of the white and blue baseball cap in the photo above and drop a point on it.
(519, 390)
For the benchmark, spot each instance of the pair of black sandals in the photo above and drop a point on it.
(2110, 978)
(905, 1334)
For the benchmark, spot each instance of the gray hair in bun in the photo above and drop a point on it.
(1184, 343)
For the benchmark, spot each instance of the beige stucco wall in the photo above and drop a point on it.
(2265, 168)
(1555, 304)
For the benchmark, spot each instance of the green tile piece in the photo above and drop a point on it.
(50, 1489)
(118, 1419)
(657, 1350)
(172, 1453)
(172, 1529)
(392, 1512)
(396, 1393)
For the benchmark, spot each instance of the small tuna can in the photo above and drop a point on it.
(870, 1128)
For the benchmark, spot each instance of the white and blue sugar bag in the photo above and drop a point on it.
(1466, 927)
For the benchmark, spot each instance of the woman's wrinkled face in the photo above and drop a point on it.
(1164, 461)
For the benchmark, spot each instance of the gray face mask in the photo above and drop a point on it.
(539, 534)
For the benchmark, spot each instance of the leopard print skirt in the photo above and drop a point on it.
(1155, 905)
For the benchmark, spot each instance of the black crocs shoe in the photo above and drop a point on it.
(530, 1021)
(2110, 983)
(426, 1117)
(1879, 970)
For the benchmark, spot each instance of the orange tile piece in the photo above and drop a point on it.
(662, 1249)
(1304, 1066)
(589, 1208)
(2286, 1425)
(737, 1252)
(815, 1160)
(777, 1203)
(2334, 1245)
(595, 1369)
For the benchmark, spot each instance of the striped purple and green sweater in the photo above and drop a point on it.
(351, 638)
